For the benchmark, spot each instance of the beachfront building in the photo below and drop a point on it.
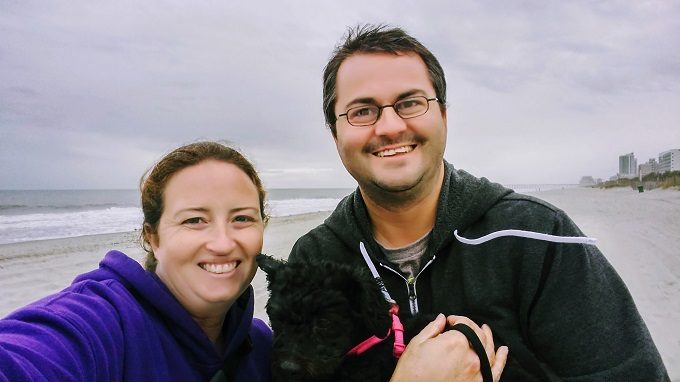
(586, 181)
(628, 166)
(669, 161)
(648, 168)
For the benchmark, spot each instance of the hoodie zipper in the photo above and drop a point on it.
(411, 286)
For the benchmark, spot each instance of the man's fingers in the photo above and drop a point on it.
(497, 359)
(499, 364)
(431, 330)
(488, 344)
(453, 320)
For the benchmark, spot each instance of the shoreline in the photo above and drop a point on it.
(129, 239)
(34, 269)
(639, 234)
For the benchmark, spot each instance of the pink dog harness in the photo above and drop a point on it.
(397, 328)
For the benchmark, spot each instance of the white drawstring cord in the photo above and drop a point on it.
(527, 234)
(374, 272)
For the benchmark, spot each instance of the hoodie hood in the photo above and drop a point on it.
(462, 201)
(154, 295)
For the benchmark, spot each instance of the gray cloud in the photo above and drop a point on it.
(92, 93)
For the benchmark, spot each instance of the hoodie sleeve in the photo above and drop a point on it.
(584, 323)
(66, 337)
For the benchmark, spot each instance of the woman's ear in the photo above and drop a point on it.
(150, 236)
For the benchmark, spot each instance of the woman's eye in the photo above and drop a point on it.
(195, 220)
(244, 219)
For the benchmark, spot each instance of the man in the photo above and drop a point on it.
(561, 308)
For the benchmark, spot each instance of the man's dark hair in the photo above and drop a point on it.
(375, 39)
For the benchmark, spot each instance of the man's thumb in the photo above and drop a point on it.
(432, 329)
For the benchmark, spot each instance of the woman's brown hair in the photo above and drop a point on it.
(153, 183)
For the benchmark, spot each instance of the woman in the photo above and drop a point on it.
(188, 316)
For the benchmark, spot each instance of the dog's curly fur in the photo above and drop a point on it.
(320, 311)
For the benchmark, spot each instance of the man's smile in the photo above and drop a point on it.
(394, 151)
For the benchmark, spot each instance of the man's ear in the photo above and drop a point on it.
(269, 265)
(444, 110)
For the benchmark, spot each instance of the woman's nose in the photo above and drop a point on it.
(221, 240)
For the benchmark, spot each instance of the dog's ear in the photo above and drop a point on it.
(269, 265)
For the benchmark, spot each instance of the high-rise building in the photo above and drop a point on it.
(627, 166)
(669, 161)
(650, 167)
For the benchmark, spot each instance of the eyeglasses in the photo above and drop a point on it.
(406, 108)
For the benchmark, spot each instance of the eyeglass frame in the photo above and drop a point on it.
(380, 109)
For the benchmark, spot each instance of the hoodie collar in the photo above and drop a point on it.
(463, 199)
(150, 291)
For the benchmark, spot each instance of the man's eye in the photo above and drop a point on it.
(408, 104)
(361, 112)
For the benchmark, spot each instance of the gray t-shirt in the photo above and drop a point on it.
(408, 258)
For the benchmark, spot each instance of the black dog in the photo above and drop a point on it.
(319, 312)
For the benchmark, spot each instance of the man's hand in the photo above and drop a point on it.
(435, 355)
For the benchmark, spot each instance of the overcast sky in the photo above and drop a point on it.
(93, 92)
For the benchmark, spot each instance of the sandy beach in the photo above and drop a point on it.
(638, 232)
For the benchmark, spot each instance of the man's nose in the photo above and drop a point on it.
(389, 123)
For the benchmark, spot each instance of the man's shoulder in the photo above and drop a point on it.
(317, 236)
(321, 231)
(320, 241)
(515, 201)
(520, 211)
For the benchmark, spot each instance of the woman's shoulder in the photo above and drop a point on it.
(261, 330)
(83, 301)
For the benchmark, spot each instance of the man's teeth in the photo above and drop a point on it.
(219, 268)
(398, 150)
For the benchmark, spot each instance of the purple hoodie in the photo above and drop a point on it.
(120, 323)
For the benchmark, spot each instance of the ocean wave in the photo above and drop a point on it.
(289, 207)
(15, 228)
(40, 226)
(18, 209)
(12, 206)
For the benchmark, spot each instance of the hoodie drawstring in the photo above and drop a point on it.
(527, 234)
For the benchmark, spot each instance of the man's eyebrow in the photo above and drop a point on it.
(372, 101)
(410, 93)
(364, 100)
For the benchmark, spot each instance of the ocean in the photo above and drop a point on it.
(27, 215)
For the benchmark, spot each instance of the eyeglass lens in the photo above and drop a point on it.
(405, 108)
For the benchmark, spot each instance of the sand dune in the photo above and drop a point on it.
(638, 232)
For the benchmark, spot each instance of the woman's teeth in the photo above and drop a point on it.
(219, 268)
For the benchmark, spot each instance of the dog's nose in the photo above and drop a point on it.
(291, 368)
